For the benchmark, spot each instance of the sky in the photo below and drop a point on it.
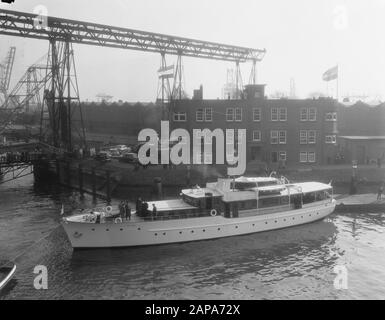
(303, 38)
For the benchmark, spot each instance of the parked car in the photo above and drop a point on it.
(103, 156)
(130, 157)
(122, 148)
(114, 153)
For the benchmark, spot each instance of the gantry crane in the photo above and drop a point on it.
(64, 31)
(6, 67)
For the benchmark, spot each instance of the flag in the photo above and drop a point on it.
(166, 72)
(330, 74)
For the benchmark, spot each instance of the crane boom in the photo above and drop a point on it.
(7, 67)
(14, 23)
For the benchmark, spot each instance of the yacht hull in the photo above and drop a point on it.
(145, 233)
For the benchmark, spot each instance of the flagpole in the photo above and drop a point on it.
(338, 76)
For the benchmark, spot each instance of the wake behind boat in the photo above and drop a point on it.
(228, 207)
(7, 271)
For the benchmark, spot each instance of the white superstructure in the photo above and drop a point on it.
(226, 208)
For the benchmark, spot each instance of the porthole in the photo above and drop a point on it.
(156, 234)
(192, 231)
(293, 218)
(253, 224)
(236, 227)
(219, 229)
(164, 233)
(121, 229)
(266, 222)
(180, 232)
(107, 229)
(302, 217)
(276, 221)
(138, 228)
(309, 215)
(317, 213)
(93, 229)
(284, 219)
(204, 230)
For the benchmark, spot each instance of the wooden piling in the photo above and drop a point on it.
(108, 187)
(158, 187)
(80, 176)
(68, 173)
(93, 182)
(57, 162)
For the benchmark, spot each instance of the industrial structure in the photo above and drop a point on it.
(26, 92)
(61, 94)
(6, 68)
(62, 33)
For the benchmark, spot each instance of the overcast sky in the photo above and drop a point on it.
(303, 38)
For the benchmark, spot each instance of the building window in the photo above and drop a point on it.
(311, 156)
(199, 115)
(230, 136)
(312, 114)
(303, 137)
(307, 157)
(256, 135)
(311, 137)
(230, 114)
(331, 116)
(274, 114)
(180, 116)
(274, 156)
(209, 114)
(282, 114)
(205, 114)
(207, 158)
(257, 114)
(230, 141)
(331, 139)
(238, 114)
(303, 157)
(241, 139)
(282, 155)
(282, 137)
(274, 137)
(304, 114)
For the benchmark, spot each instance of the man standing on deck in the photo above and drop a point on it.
(144, 207)
(121, 209)
(128, 210)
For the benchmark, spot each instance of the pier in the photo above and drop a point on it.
(360, 203)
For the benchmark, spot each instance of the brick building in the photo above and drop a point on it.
(361, 128)
(278, 132)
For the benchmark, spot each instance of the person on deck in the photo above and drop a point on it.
(144, 207)
(128, 210)
(121, 209)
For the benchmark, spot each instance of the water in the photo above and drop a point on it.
(294, 263)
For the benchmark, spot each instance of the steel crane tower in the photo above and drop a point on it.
(5, 73)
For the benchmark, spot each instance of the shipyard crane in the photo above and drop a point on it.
(6, 67)
(26, 90)
(58, 30)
